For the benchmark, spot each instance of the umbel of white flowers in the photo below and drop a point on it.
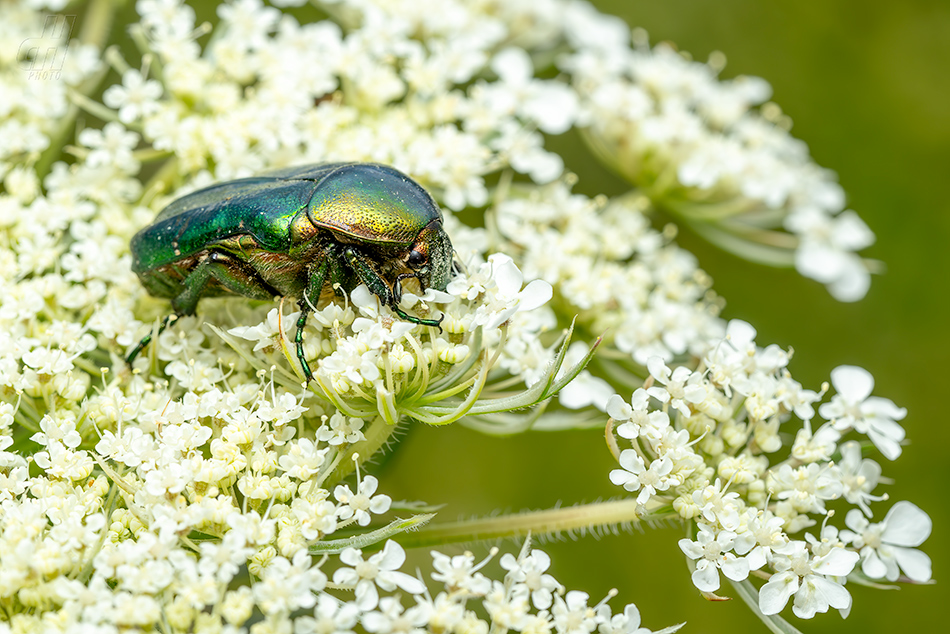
(206, 490)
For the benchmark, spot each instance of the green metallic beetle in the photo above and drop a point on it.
(305, 232)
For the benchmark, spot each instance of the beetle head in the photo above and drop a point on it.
(430, 257)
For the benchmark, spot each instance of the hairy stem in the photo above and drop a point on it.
(547, 522)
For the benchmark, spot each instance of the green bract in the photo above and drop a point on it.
(307, 232)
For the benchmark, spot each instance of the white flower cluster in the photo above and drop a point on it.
(611, 269)
(205, 490)
(369, 363)
(713, 153)
(703, 441)
(155, 492)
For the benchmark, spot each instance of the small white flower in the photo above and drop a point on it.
(889, 546)
(135, 98)
(341, 429)
(712, 552)
(531, 572)
(288, 585)
(111, 145)
(682, 386)
(390, 618)
(858, 476)
(363, 502)
(460, 573)
(265, 334)
(809, 579)
(628, 622)
(636, 476)
(302, 459)
(330, 616)
(381, 569)
(826, 252)
(572, 615)
(506, 297)
(853, 407)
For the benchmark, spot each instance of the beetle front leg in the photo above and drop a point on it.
(377, 285)
(368, 275)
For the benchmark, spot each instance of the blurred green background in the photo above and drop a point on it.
(867, 85)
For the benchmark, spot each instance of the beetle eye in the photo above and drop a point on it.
(416, 258)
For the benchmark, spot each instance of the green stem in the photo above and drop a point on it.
(376, 437)
(97, 22)
(96, 27)
(108, 508)
(771, 248)
(547, 522)
(750, 596)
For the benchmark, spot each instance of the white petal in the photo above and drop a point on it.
(873, 567)
(345, 576)
(369, 485)
(506, 275)
(694, 393)
(623, 478)
(690, 548)
(851, 233)
(631, 461)
(351, 556)
(363, 298)
(856, 521)
(536, 293)
(914, 563)
(906, 525)
(633, 616)
(736, 569)
(393, 556)
(853, 282)
(890, 448)
(774, 595)
(618, 409)
(820, 262)
(640, 399)
(658, 369)
(513, 65)
(380, 504)
(740, 333)
(852, 383)
(706, 576)
(831, 593)
(756, 558)
(883, 407)
(366, 595)
(389, 579)
(585, 390)
(838, 562)
(554, 108)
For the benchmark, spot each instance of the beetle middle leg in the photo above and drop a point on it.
(307, 303)
(147, 339)
(229, 272)
(215, 266)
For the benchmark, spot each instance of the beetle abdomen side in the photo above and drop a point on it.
(262, 209)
